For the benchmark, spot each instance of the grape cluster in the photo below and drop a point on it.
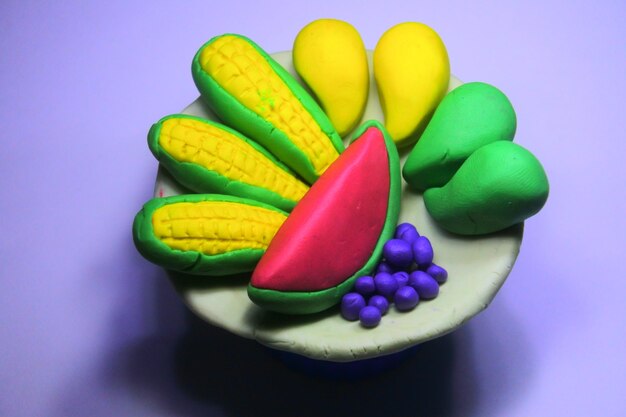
(406, 275)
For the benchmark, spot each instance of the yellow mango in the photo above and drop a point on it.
(329, 55)
(412, 73)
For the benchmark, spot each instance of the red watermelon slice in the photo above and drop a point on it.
(336, 232)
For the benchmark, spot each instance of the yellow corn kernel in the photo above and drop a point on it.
(190, 140)
(215, 227)
(244, 73)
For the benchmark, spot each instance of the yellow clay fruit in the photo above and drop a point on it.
(329, 55)
(412, 73)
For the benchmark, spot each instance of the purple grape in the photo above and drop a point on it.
(424, 284)
(365, 285)
(401, 228)
(406, 298)
(437, 272)
(386, 284)
(370, 316)
(402, 278)
(385, 267)
(398, 253)
(408, 232)
(380, 303)
(422, 251)
(351, 305)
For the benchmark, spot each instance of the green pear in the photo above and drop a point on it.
(499, 185)
(468, 117)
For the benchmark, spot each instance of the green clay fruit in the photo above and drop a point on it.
(468, 117)
(499, 185)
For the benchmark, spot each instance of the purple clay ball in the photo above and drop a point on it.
(402, 278)
(407, 232)
(385, 267)
(386, 284)
(437, 272)
(406, 298)
(398, 253)
(424, 284)
(402, 228)
(370, 316)
(365, 285)
(422, 251)
(380, 303)
(351, 305)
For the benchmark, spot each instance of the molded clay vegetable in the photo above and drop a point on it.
(208, 157)
(205, 234)
(247, 89)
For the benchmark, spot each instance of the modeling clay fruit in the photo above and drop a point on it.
(468, 117)
(385, 267)
(437, 272)
(499, 185)
(351, 305)
(337, 231)
(208, 157)
(247, 89)
(402, 278)
(370, 316)
(422, 251)
(412, 73)
(407, 232)
(386, 284)
(330, 57)
(425, 285)
(398, 253)
(205, 234)
(365, 285)
(380, 303)
(406, 298)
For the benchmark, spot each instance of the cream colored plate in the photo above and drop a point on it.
(477, 268)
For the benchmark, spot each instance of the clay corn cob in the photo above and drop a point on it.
(246, 88)
(208, 157)
(205, 234)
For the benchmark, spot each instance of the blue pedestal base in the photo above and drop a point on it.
(343, 370)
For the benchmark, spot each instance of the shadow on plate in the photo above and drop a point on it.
(183, 282)
(203, 370)
(247, 379)
(187, 367)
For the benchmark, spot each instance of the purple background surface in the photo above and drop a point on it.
(88, 327)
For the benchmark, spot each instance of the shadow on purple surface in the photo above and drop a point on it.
(247, 380)
(207, 371)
